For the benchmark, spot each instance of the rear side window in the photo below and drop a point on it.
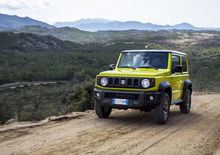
(184, 65)
(175, 60)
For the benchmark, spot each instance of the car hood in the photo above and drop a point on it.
(138, 72)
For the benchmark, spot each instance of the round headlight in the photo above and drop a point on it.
(104, 81)
(145, 83)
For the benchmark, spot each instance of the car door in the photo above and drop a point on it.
(176, 80)
(185, 73)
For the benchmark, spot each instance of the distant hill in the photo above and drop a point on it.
(64, 33)
(8, 22)
(28, 42)
(104, 24)
(79, 36)
(82, 21)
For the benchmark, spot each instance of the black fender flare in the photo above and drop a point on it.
(186, 85)
(166, 86)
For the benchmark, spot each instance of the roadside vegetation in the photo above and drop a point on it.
(76, 65)
(37, 102)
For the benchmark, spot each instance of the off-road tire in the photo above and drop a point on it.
(162, 109)
(102, 111)
(185, 106)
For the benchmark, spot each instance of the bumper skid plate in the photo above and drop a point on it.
(126, 99)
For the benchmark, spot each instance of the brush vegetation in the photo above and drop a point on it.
(32, 57)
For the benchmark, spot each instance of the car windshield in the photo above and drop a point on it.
(157, 60)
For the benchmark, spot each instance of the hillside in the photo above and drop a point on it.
(8, 22)
(64, 33)
(26, 42)
(79, 36)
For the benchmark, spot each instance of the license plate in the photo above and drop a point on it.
(120, 101)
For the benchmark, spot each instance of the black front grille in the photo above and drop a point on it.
(122, 96)
(124, 82)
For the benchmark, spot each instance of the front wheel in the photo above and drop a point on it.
(185, 106)
(102, 111)
(162, 110)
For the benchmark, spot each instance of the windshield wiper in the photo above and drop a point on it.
(126, 67)
(147, 67)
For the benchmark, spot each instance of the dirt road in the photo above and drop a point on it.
(24, 84)
(125, 132)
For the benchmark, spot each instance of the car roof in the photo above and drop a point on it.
(154, 50)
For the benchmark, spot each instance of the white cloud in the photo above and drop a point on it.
(23, 4)
(201, 13)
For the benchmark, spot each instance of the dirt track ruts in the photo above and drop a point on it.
(125, 132)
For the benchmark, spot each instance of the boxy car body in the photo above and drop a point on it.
(146, 80)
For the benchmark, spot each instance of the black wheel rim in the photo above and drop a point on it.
(166, 108)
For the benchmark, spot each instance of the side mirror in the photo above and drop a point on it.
(177, 68)
(112, 66)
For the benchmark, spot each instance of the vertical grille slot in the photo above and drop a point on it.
(129, 82)
(117, 81)
(135, 82)
(110, 80)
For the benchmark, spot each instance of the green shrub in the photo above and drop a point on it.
(81, 97)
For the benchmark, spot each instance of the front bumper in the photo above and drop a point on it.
(136, 100)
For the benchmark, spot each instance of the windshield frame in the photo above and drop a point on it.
(147, 67)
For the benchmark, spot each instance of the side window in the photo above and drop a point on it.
(184, 64)
(175, 60)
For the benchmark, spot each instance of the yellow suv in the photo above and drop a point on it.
(145, 80)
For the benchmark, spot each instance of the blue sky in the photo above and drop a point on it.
(201, 13)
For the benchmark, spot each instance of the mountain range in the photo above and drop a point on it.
(99, 24)
(8, 22)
